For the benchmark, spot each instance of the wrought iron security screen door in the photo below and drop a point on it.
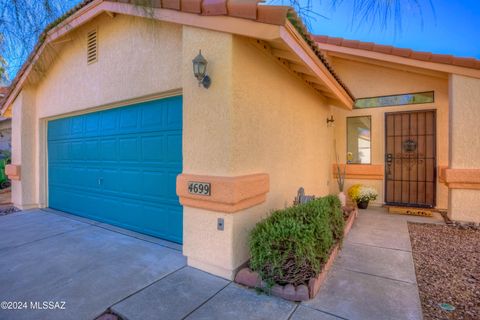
(410, 159)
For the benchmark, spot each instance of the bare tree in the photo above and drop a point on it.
(386, 12)
(21, 23)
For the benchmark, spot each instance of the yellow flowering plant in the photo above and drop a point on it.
(362, 193)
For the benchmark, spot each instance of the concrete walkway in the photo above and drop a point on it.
(92, 266)
(374, 275)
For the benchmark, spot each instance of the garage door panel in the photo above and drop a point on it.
(128, 149)
(152, 119)
(92, 124)
(174, 118)
(174, 145)
(76, 127)
(131, 182)
(163, 217)
(77, 151)
(151, 186)
(58, 151)
(153, 148)
(109, 180)
(119, 166)
(109, 122)
(129, 119)
(108, 149)
(92, 149)
(59, 129)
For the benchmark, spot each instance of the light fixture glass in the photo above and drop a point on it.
(200, 70)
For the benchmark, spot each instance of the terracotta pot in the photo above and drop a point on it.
(343, 198)
(362, 204)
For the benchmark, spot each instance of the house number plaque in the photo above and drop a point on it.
(200, 188)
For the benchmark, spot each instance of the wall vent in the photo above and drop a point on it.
(92, 44)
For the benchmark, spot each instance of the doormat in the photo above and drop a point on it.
(411, 211)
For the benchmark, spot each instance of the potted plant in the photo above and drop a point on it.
(362, 195)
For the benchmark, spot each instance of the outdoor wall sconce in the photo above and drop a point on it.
(200, 70)
(330, 121)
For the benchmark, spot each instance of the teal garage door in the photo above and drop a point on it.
(119, 166)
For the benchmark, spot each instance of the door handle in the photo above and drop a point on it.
(389, 160)
(100, 181)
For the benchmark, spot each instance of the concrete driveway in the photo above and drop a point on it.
(76, 264)
(91, 267)
(85, 267)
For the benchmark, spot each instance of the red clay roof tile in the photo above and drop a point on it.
(322, 39)
(350, 43)
(402, 52)
(366, 45)
(335, 41)
(243, 9)
(442, 58)
(214, 7)
(272, 14)
(382, 48)
(171, 4)
(192, 6)
(465, 62)
(156, 3)
(421, 55)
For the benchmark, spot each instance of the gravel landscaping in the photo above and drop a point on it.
(447, 264)
(8, 210)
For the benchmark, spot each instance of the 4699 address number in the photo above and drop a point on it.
(201, 188)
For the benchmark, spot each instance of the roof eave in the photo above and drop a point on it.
(244, 27)
(333, 50)
(297, 44)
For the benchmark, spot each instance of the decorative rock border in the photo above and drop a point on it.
(252, 279)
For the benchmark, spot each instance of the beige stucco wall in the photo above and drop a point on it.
(24, 149)
(255, 118)
(207, 121)
(137, 59)
(370, 80)
(465, 144)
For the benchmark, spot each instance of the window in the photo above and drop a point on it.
(358, 139)
(395, 100)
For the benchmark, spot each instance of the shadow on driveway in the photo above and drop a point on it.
(49, 257)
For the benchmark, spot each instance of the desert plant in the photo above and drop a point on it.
(340, 173)
(292, 244)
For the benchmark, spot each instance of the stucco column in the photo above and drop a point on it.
(207, 127)
(24, 135)
(463, 175)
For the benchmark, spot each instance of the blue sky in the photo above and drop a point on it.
(451, 27)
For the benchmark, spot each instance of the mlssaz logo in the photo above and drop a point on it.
(47, 305)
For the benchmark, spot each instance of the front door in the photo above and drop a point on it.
(410, 164)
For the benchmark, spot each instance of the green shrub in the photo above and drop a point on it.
(337, 222)
(292, 244)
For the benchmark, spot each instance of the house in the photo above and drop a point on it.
(110, 122)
